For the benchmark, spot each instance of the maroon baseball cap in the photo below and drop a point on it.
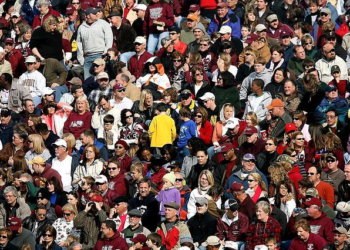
(251, 38)
(194, 7)
(222, 5)
(236, 186)
(15, 223)
(226, 147)
(313, 201)
(286, 33)
(118, 87)
(70, 9)
(250, 130)
(9, 40)
(140, 238)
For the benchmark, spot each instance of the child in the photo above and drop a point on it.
(169, 193)
(271, 244)
(188, 129)
(107, 132)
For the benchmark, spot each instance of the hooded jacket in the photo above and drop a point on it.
(202, 226)
(314, 242)
(161, 12)
(261, 109)
(115, 242)
(265, 75)
(230, 20)
(339, 104)
(116, 187)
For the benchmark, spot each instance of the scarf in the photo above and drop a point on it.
(257, 194)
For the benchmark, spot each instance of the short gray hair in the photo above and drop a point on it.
(74, 244)
(124, 78)
(28, 176)
(43, 2)
(11, 189)
(264, 205)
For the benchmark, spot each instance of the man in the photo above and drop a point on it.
(14, 57)
(90, 83)
(233, 225)
(146, 202)
(13, 206)
(202, 224)
(253, 144)
(137, 61)
(137, 25)
(55, 74)
(261, 72)
(119, 100)
(32, 80)
(263, 10)
(327, 4)
(241, 176)
(275, 27)
(198, 32)
(47, 94)
(325, 64)
(43, 198)
(296, 62)
(131, 91)
(261, 31)
(230, 160)
(246, 204)
(331, 38)
(222, 17)
(135, 228)
(104, 108)
(62, 163)
(28, 109)
(276, 119)
(20, 235)
(258, 100)
(42, 172)
(312, 192)
(17, 93)
(340, 240)
(186, 101)
(94, 38)
(48, 136)
(90, 220)
(103, 89)
(237, 8)
(286, 39)
(226, 35)
(111, 237)
(119, 210)
(213, 242)
(344, 186)
(5, 66)
(212, 109)
(87, 138)
(325, 190)
(123, 35)
(6, 126)
(171, 228)
(73, 18)
(68, 97)
(306, 237)
(187, 35)
(196, 10)
(174, 33)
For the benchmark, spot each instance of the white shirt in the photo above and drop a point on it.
(126, 103)
(35, 82)
(64, 169)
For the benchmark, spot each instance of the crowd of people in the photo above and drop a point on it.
(175, 124)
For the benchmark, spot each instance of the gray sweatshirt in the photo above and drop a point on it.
(265, 75)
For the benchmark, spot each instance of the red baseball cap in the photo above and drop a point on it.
(70, 9)
(96, 198)
(290, 127)
(194, 7)
(313, 201)
(9, 40)
(15, 223)
(236, 186)
(251, 38)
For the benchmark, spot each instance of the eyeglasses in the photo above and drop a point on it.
(308, 44)
(331, 38)
(331, 51)
(30, 141)
(121, 90)
(127, 117)
(336, 72)
(300, 139)
(112, 169)
(138, 44)
(330, 116)
(177, 60)
(199, 74)
(173, 33)
(250, 180)
(103, 80)
(29, 63)
(179, 179)
(3, 236)
(120, 147)
(310, 173)
(275, 20)
(330, 160)
(296, 119)
(324, 14)
(198, 116)
(95, 65)
(47, 235)
(67, 214)
(269, 144)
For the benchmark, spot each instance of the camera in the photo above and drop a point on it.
(106, 57)
(299, 210)
(92, 204)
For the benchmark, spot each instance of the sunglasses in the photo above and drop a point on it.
(331, 51)
(199, 205)
(83, 183)
(310, 173)
(203, 44)
(250, 180)
(129, 116)
(3, 236)
(177, 60)
(138, 44)
(95, 65)
(324, 14)
(308, 43)
(122, 90)
(47, 235)
(29, 63)
(179, 179)
(269, 144)
(300, 139)
(250, 161)
(67, 214)
(199, 74)
(296, 119)
(112, 169)
(120, 147)
(198, 116)
(330, 160)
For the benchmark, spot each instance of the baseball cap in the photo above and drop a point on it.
(250, 130)
(91, 10)
(174, 28)
(225, 29)
(260, 27)
(249, 157)
(47, 91)
(193, 17)
(325, 10)
(335, 68)
(5, 112)
(232, 122)
(140, 238)
(222, 5)
(140, 40)
(186, 238)
(118, 87)
(329, 34)
(70, 9)
(343, 207)
(9, 40)
(60, 142)
(194, 7)
(231, 204)
(30, 59)
(286, 33)
(96, 198)
(121, 198)
(236, 186)
(311, 192)
(271, 17)
(251, 38)
(201, 201)
(231, 245)
(15, 223)
(207, 96)
(275, 103)
(226, 147)
(331, 87)
(211, 241)
(290, 127)
(330, 156)
(16, 14)
(313, 201)
(140, 7)
(115, 13)
(185, 94)
(37, 160)
(102, 75)
(99, 61)
(340, 230)
(101, 179)
(76, 81)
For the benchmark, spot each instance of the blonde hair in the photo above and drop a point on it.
(257, 177)
(81, 99)
(71, 208)
(70, 139)
(253, 118)
(278, 173)
(210, 177)
(38, 143)
(143, 96)
(49, 21)
(227, 60)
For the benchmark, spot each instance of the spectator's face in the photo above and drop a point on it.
(119, 150)
(170, 213)
(72, 200)
(332, 164)
(102, 186)
(186, 102)
(261, 4)
(201, 157)
(312, 174)
(43, 9)
(228, 113)
(231, 3)
(59, 150)
(104, 104)
(248, 165)
(244, 32)
(140, 13)
(49, 97)
(149, 100)
(286, 40)
(91, 18)
(255, 88)
(289, 88)
(139, 47)
(329, 52)
(201, 209)
(279, 76)
(283, 190)
(312, 211)
(5, 119)
(251, 17)
(276, 57)
(29, 107)
(203, 46)
(90, 153)
(222, 12)
(331, 40)
(313, 8)
(40, 214)
(347, 172)
(198, 34)
(98, 68)
(191, 23)
(113, 170)
(78, 93)
(179, 181)
(300, 53)
(146, 155)
(144, 189)
(50, 187)
(261, 215)
(339, 238)
(174, 36)
(4, 239)
(331, 118)
(103, 83)
(258, 67)
(73, 17)
(252, 183)
(325, 17)
(116, 21)
(43, 201)
(204, 181)
(274, 24)
(105, 230)
(322, 2)
(299, 140)
(10, 198)
(68, 215)
(81, 106)
(252, 138)
(229, 154)
(134, 220)
(332, 94)
(225, 36)
(302, 234)
(16, 140)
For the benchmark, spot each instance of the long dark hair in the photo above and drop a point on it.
(284, 71)
(55, 182)
(278, 195)
(123, 115)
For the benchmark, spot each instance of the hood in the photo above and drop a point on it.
(157, 63)
(319, 218)
(222, 117)
(242, 127)
(201, 27)
(264, 72)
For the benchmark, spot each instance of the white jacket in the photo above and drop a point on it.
(324, 69)
(260, 109)
(162, 81)
(288, 208)
(93, 170)
(191, 205)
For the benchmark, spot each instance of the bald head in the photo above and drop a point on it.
(329, 52)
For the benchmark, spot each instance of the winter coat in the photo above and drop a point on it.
(22, 212)
(16, 59)
(136, 64)
(202, 226)
(202, 90)
(291, 102)
(193, 177)
(280, 29)
(185, 193)
(265, 75)
(314, 242)
(30, 224)
(206, 132)
(278, 130)
(58, 118)
(230, 20)
(344, 191)
(38, 20)
(115, 242)
(171, 237)
(265, 160)
(123, 38)
(187, 164)
(274, 88)
(236, 231)
(93, 170)
(310, 102)
(117, 186)
(28, 13)
(261, 109)
(8, 151)
(339, 104)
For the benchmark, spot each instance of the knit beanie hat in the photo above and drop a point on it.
(123, 143)
(170, 177)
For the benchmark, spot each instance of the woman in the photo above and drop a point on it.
(314, 12)
(307, 41)
(263, 227)
(299, 120)
(277, 82)
(131, 131)
(33, 120)
(58, 196)
(198, 86)
(289, 95)
(250, 19)
(300, 29)
(204, 127)
(48, 239)
(117, 183)
(37, 148)
(298, 144)
(192, 59)
(3, 183)
(143, 109)
(208, 58)
(169, 152)
(226, 48)
(277, 60)
(252, 120)
(224, 65)
(177, 74)
(315, 147)
(153, 78)
(90, 165)
(23, 40)
(72, 151)
(5, 238)
(65, 225)
(194, 144)
(46, 41)
(334, 144)
(247, 67)
(55, 115)
(79, 119)
(170, 97)
(284, 199)
(266, 158)
(73, 199)
(289, 161)
(257, 187)
(278, 173)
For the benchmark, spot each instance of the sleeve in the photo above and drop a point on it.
(41, 84)
(173, 131)
(66, 125)
(62, 72)
(32, 189)
(108, 37)
(243, 92)
(80, 52)
(212, 27)
(95, 121)
(193, 129)
(191, 208)
(146, 23)
(220, 229)
(76, 174)
(79, 221)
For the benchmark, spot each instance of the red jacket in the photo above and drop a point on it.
(314, 242)
(184, 197)
(161, 12)
(234, 232)
(16, 59)
(125, 163)
(341, 86)
(115, 242)
(157, 178)
(295, 176)
(326, 192)
(180, 47)
(38, 21)
(40, 179)
(135, 65)
(206, 132)
(116, 187)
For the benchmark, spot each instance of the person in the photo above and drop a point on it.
(202, 219)
(256, 237)
(109, 231)
(6, 126)
(48, 240)
(295, 63)
(306, 238)
(12, 149)
(131, 91)
(256, 187)
(135, 228)
(120, 101)
(103, 89)
(117, 182)
(6, 235)
(137, 25)
(154, 242)
(290, 95)
(179, 45)
(252, 144)
(42, 172)
(171, 237)
(284, 199)
(21, 235)
(137, 61)
(119, 212)
(343, 186)
(39, 13)
(14, 57)
(96, 36)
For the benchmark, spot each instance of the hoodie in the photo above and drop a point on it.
(258, 104)
(265, 75)
(322, 226)
(115, 242)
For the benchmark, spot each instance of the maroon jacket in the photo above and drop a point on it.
(255, 149)
(125, 163)
(161, 12)
(247, 207)
(314, 242)
(38, 21)
(236, 231)
(16, 59)
(135, 65)
(40, 179)
(281, 27)
(116, 187)
(115, 242)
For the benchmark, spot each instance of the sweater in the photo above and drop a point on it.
(77, 123)
(161, 12)
(326, 192)
(48, 44)
(187, 130)
(162, 130)
(168, 195)
(34, 82)
(314, 242)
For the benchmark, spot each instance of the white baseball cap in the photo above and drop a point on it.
(232, 123)
(231, 245)
(140, 39)
(207, 96)
(30, 59)
(101, 179)
(60, 142)
(47, 91)
(225, 29)
(140, 7)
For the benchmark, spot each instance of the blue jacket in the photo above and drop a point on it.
(101, 147)
(236, 177)
(188, 130)
(230, 20)
(6, 133)
(340, 105)
(28, 13)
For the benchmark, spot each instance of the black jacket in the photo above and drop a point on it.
(9, 246)
(218, 172)
(203, 89)
(48, 44)
(344, 191)
(236, 46)
(202, 226)
(264, 161)
(309, 104)
(29, 223)
(124, 38)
